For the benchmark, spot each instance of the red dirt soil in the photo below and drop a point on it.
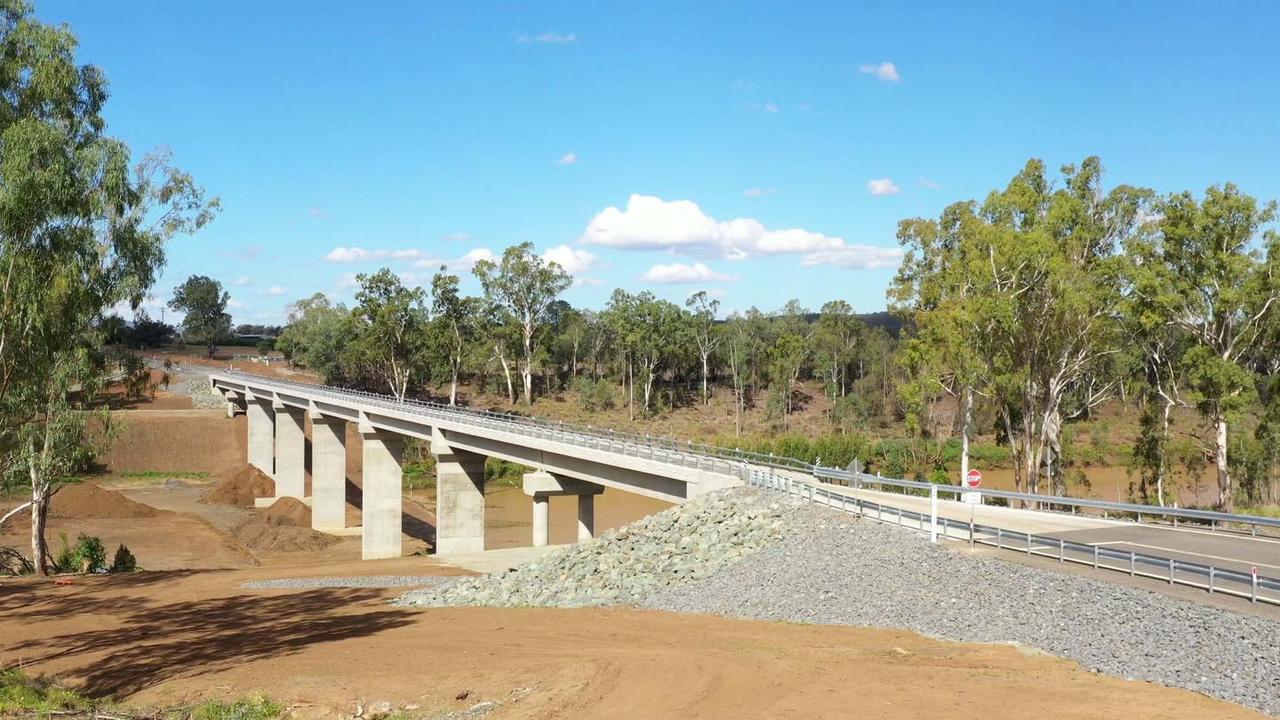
(240, 487)
(290, 512)
(88, 501)
(156, 639)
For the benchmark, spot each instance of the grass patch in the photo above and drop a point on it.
(257, 707)
(162, 475)
(21, 694)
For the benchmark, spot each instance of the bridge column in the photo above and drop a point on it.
(541, 485)
(587, 517)
(459, 498)
(328, 473)
(291, 451)
(261, 434)
(382, 504)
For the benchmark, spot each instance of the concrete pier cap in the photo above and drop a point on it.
(542, 482)
(541, 485)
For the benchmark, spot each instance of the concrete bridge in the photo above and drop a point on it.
(567, 461)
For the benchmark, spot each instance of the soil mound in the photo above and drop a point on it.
(289, 512)
(89, 501)
(260, 533)
(240, 487)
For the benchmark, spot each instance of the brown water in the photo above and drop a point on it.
(509, 514)
(1110, 482)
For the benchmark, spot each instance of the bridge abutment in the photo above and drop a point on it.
(382, 506)
(542, 485)
(459, 498)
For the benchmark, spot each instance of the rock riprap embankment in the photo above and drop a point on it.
(627, 565)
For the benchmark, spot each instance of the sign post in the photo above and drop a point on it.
(972, 480)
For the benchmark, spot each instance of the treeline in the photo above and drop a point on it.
(520, 339)
(1048, 298)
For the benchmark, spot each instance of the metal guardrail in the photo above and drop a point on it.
(686, 454)
(1213, 518)
(1251, 586)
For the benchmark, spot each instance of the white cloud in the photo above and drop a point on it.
(574, 261)
(554, 38)
(651, 223)
(677, 273)
(885, 71)
(568, 159)
(356, 254)
(757, 192)
(275, 290)
(929, 184)
(861, 257)
(882, 186)
(587, 282)
(348, 281)
(242, 281)
(234, 304)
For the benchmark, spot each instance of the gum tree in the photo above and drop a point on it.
(80, 231)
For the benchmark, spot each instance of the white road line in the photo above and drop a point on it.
(1192, 553)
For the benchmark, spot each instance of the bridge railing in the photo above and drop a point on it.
(729, 461)
(687, 453)
(1249, 585)
(1108, 509)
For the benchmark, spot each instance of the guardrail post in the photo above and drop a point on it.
(1172, 565)
(999, 536)
(1132, 562)
(1253, 593)
(1095, 557)
(1062, 550)
(1212, 570)
(933, 514)
(1028, 543)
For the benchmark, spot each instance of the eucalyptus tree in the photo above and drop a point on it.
(455, 324)
(317, 337)
(523, 285)
(205, 304)
(391, 331)
(703, 309)
(80, 231)
(835, 342)
(1212, 271)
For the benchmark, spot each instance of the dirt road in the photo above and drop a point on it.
(161, 638)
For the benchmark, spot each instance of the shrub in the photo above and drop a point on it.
(124, 560)
(258, 707)
(594, 395)
(86, 556)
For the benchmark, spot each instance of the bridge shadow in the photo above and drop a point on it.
(155, 641)
(413, 526)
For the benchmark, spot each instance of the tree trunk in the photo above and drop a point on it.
(1162, 461)
(704, 378)
(40, 496)
(1225, 500)
(631, 389)
(506, 372)
(966, 422)
(453, 387)
(527, 370)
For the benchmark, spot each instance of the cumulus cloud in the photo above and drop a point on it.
(275, 290)
(680, 273)
(651, 223)
(573, 260)
(242, 281)
(553, 38)
(882, 186)
(862, 257)
(357, 254)
(885, 71)
(568, 159)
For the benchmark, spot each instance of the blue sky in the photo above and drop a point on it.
(764, 151)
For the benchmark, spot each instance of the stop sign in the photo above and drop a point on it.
(972, 479)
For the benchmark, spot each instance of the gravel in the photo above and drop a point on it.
(626, 565)
(838, 570)
(194, 383)
(814, 565)
(357, 581)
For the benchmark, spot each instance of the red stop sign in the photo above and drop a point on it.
(972, 479)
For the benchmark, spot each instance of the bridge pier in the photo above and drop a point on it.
(459, 498)
(261, 434)
(291, 451)
(328, 473)
(382, 503)
(541, 485)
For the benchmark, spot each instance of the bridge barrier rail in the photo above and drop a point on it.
(688, 454)
(1212, 518)
(714, 458)
(1250, 586)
